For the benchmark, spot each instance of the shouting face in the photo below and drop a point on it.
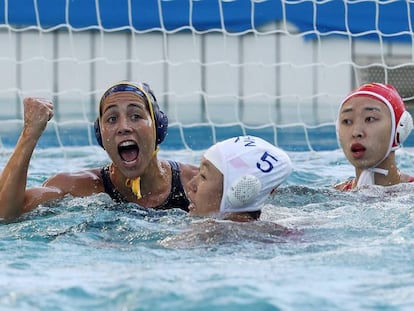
(127, 130)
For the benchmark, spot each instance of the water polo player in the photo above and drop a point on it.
(236, 178)
(372, 123)
(130, 127)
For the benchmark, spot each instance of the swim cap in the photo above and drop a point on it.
(159, 119)
(401, 120)
(252, 168)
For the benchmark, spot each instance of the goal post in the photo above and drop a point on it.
(272, 68)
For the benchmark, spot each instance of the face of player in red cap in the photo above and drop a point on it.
(401, 121)
(372, 122)
(364, 131)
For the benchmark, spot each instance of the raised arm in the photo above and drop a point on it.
(13, 179)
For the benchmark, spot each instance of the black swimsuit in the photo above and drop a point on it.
(176, 199)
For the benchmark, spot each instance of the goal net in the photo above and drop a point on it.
(219, 68)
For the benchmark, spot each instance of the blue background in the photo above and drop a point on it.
(332, 17)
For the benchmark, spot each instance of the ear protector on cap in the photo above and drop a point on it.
(97, 130)
(243, 190)
(143, 90)
(404, 127)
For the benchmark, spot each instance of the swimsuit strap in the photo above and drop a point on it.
(348, 185)
(109, 186)
(176, 199)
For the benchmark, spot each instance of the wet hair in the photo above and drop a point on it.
(255, 215)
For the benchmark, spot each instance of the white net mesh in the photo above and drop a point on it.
(275, 69)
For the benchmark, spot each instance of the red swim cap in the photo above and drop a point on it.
(401, 120)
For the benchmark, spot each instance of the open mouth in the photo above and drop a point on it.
(358, 151)
(128, 151)
(357, 148)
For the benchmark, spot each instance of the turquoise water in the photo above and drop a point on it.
(346, 251)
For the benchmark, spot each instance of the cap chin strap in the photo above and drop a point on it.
(135, 183)
(367, 176)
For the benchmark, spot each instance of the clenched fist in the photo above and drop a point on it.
(37, 112)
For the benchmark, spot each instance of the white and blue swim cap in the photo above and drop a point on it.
(252, 169)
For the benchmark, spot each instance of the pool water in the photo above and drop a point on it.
(345, 251)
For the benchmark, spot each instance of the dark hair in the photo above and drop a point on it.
(255, 215)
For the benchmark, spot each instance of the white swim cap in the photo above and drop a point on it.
(252, 168)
